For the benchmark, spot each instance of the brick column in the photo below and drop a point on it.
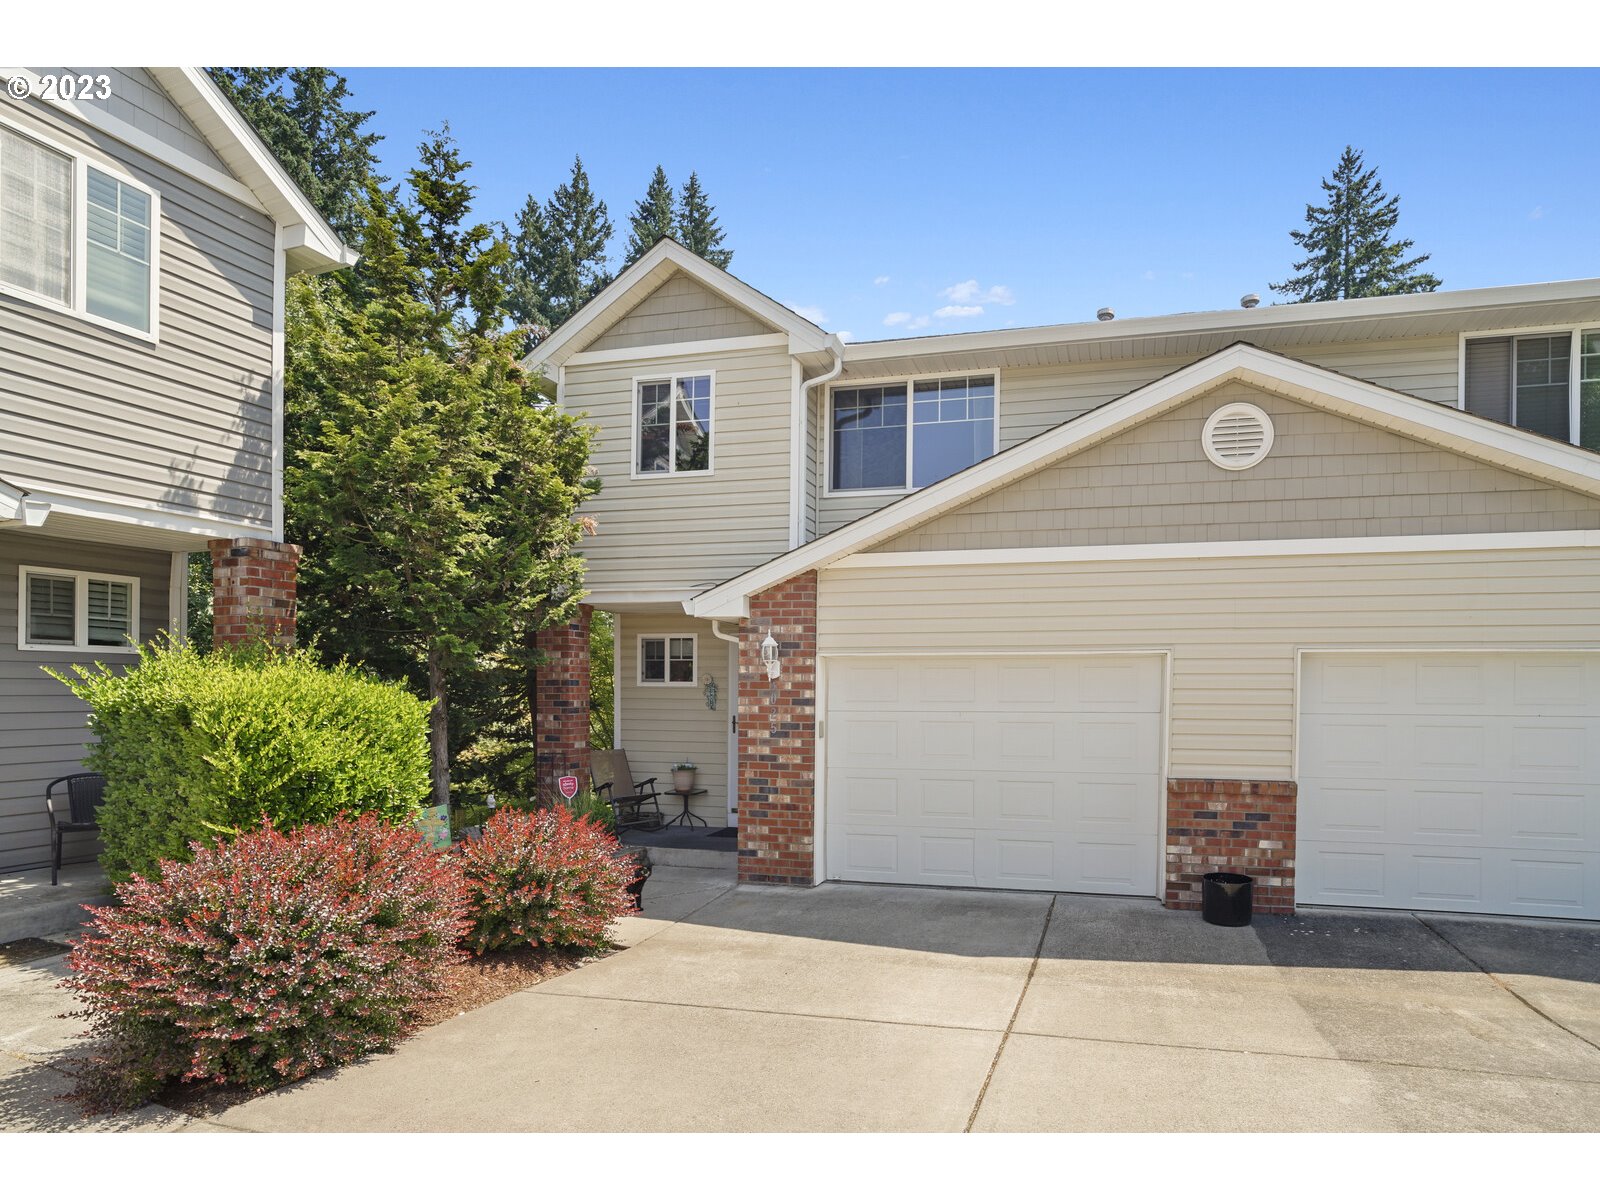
(561, 722)
(1241, 825)
(778, 737)
(252, 590)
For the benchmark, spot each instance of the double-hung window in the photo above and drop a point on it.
(672, 425)
(77, 610)
(1546, 382)
(909, 433)
(76, 235)
(665, 660)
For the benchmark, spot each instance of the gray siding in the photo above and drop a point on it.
(42, 725)
(1233, 626)
(1326, 476)
(142, 102)
(1034, 399)
(184, 423)
(680, 310)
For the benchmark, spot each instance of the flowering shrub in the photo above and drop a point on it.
(266, 958)
(545, 878)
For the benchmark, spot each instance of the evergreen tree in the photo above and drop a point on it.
(652, 217)
(698, 228)
(1349, 245)
(435, 489)
(558, 255)
(304, 117)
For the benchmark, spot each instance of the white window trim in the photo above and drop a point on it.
(911, 382)
(671, 379)
(1574, 375)
(80, 611)
(694, 649)
(77, 306)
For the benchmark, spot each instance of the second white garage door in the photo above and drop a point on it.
(1036, 773)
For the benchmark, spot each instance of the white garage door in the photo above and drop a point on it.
(1040, 773)
(1458, 782)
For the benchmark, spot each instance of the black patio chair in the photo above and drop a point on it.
(85, 792)
(636, 805)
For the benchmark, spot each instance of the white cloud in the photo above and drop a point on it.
(844, 335)
(1149, 275)
(958, 310)
(1537, 214)
(968, 291)
(811, 313)
(906, 320)
(880, 280)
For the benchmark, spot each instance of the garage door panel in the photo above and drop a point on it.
(1471, 785)
(1021, 789)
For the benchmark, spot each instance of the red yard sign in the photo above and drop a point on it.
(568, 785)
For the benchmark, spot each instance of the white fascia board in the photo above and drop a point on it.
(562, 344)
(69, 503)
(1535, 455)
(1571, 539)
(1240, 321)
(699, 349)
(10, 501)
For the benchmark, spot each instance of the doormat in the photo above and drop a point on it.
(726, 833)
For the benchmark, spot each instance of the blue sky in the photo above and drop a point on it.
(882, 202)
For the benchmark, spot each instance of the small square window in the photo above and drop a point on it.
(74, 610)
(666, 660)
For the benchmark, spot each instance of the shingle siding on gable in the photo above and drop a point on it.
(680, 310)
(142, 102)
(1326, 476)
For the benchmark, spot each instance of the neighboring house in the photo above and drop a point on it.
(1308, 591)
(145, 236)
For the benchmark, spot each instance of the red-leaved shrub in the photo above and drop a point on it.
(265, 958)
(545, 878)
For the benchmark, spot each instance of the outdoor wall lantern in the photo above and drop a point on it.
(769, 657)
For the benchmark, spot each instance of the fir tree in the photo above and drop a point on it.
(558, 255)
(698, 228)
(652, 217)
(304, 117)
(1349, 245)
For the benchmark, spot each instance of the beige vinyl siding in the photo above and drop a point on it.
(664, 725)
(665, 532)
(1326, 476)
(143, 103)
(1233, 626)
(680, 310)
(1035, 399)
(184, 423)
(42, 725)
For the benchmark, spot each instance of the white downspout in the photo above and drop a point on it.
(797, 439)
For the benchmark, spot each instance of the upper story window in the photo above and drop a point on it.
(76, 235)
(672, 425)
(1546, 382)
(77, 610)
(879, 442)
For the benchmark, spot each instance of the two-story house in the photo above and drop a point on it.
(145, 237)
(1307, 591)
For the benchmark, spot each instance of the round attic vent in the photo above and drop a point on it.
(1237, 436)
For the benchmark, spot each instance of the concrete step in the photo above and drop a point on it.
(725, 861)
(30, 907)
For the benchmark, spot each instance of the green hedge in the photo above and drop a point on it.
(199, 745)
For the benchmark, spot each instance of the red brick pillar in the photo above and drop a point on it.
(1241, 825)
(778, 737)
(252, 590)
(561, 720)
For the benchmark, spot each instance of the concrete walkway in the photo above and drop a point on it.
(853, 1007)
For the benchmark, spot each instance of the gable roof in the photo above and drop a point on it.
(1424, 420)
(658, 264)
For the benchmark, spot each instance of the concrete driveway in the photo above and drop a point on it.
(854, 1007)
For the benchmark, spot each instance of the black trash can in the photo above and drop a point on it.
(1225, 898)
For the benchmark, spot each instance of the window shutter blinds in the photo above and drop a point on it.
(50, 616)
(1489, 378)
(118, 274)
(35, 217)
(110, 613)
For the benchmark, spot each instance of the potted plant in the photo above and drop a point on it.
(683, 776)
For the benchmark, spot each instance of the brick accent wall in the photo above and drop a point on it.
(1240, 825)
(777, 784)
(561, 699)
(252, 590)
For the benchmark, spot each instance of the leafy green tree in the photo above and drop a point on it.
(698, 228)
(304, 116)
(653, 218)
(434, 486)
(1349, 242)
(602, 680)
(558, 255)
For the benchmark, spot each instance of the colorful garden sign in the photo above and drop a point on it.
(434, 826)
(568, 785)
